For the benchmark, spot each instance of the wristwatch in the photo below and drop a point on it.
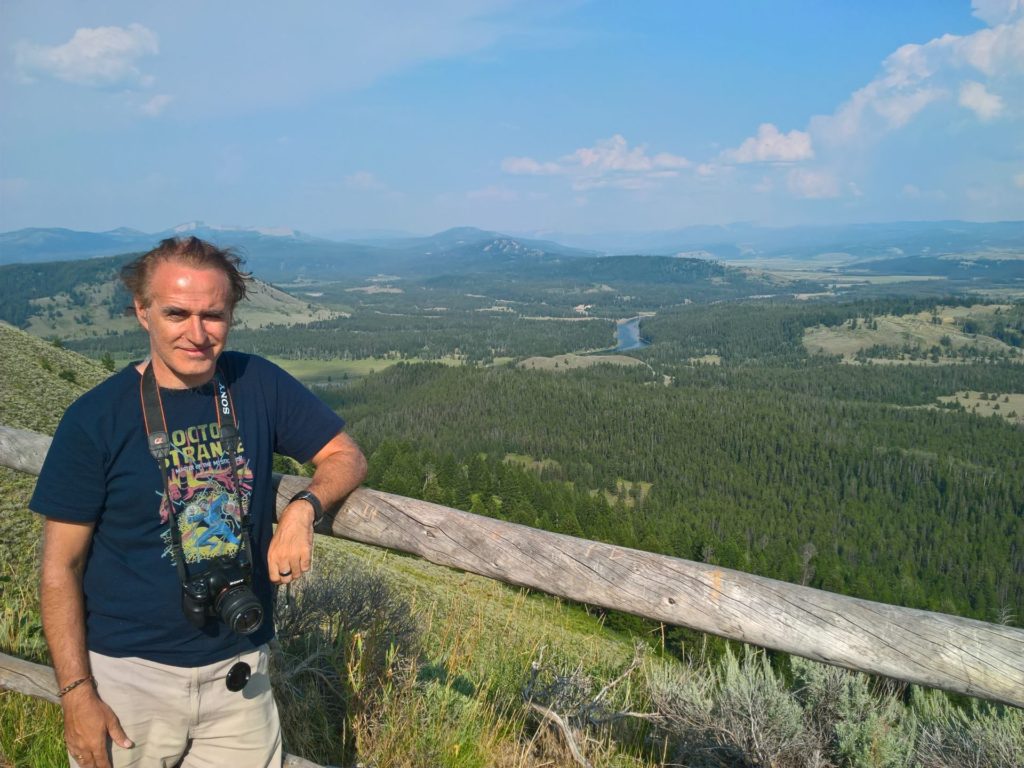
(318, 508)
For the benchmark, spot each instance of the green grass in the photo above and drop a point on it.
(322, 371)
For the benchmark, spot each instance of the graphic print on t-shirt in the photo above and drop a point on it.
(202, 490)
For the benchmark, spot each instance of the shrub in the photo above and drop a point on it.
(976, 735)
(743, 715)
(340, 633)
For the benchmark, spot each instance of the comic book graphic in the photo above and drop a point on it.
(202, 492)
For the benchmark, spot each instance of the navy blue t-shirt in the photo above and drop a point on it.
(99, 470)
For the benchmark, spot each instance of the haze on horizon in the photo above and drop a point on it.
(512, 115)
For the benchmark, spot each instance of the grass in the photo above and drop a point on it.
(571, 362)
(1008, 406)
(916, 330)
(323, 371)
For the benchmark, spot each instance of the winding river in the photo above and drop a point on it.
(627, 332)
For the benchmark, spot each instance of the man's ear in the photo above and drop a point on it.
(141, 314)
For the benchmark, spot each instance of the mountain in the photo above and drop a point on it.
(846, 243)
(34, 245)
(283, 255)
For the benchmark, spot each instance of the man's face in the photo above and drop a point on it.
(188, 317)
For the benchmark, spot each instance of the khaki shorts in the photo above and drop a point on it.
(187, 717)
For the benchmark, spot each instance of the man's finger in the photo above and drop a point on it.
(117, 734)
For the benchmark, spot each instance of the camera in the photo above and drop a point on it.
(223, 591)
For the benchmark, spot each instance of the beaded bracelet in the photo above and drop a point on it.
(71, 686)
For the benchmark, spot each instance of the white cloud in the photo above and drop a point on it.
(772, 146)
(975, 97)
(527, 166)
(899, 109)
(992, 52)
(916, 76)
(812, 184)
(97, 56)
(1018, 181)
(364, 180)
(157, 104)
(614, 154)
(609, 163)
(994, 12)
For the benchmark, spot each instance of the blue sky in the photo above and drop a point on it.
(530, 117)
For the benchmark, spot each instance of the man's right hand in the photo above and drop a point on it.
(89, 724)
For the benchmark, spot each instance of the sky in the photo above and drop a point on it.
(524, 116)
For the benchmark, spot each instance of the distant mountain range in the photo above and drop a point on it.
(855, 242)
(284, 254)
(288, 254)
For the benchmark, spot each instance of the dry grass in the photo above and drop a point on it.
(1008, 406)
(916, 330)
(574, 362)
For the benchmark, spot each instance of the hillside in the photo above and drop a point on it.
(85, 299)
(386, 660)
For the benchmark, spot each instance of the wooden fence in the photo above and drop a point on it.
(932, 649)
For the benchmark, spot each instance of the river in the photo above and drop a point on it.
(627, 332)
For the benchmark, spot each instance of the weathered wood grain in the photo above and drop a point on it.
(933, 649)
(28, 677)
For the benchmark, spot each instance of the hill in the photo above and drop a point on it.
(85, 298)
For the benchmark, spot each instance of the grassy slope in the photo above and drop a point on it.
(916, 330)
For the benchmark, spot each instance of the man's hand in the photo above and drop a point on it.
(291, 549)
(340, 468)
(88, 724)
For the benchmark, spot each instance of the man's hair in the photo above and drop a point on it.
(192, 252)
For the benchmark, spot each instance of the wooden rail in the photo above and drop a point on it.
(932, 649)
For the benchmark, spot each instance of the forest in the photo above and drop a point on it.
(729, 443)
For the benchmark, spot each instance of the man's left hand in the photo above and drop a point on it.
(291, 548)
(340, 468)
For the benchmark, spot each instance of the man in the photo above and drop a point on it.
(149, 672)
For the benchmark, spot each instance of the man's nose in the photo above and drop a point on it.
(196, 328)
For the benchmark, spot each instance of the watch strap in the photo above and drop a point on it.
(318, 508)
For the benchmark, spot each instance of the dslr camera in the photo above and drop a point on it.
(223, 591)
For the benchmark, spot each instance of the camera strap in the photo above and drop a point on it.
(159, 442)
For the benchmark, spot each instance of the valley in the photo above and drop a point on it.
(862, 436)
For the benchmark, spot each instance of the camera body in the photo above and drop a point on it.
(223, 591)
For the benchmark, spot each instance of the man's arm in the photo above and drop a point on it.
(87, 720)
(340, 468)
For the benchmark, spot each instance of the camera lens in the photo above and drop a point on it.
(240, 609)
